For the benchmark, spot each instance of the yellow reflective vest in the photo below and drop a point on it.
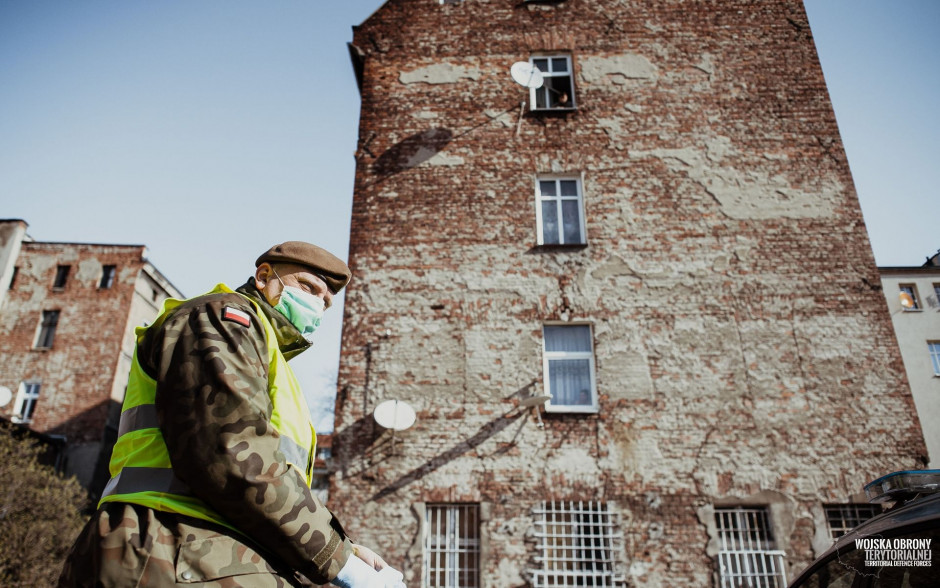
(141, 472)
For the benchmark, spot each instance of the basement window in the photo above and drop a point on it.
(842, 518)
(25, 404)
(560, 211)
(748, 554)
(452, 545)
(61, 276)
(50, 320)
(107, 277)
(575, 543)
(557, 93)
(568, 368)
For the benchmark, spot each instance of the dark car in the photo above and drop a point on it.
(892, 550)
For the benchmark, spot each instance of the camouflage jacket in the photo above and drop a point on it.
(213, 408)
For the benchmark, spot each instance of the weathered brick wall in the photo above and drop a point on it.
(743, 354)
(77, 373)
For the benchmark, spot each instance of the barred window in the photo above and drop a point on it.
(576, 544)
(452, 546)
(842, 518)
(747, 556)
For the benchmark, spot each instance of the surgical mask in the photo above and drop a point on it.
(302, 309)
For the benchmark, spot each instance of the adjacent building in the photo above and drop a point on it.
(913, 296)
(630, 297)
(67, 318)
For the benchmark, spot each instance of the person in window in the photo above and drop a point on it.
(212, 468)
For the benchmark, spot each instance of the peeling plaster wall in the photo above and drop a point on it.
(740, 351)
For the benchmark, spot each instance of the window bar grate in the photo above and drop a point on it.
(452, 546)
(576, 542)
(748, 557)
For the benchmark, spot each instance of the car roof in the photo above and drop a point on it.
(919, 511)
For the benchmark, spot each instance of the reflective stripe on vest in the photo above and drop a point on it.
(144, 416)
(140, 463)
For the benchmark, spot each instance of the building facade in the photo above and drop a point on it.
(913, 296)
(630, 297)
(67, 318)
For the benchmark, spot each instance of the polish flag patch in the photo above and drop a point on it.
(236, 316)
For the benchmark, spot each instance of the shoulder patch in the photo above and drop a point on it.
(236, 316)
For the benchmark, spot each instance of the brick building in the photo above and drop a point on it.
(67, 318)
(663, 239)
(913, 296)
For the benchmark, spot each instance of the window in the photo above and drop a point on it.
(747, 557)
(568, 368)
(575, 543)
(61, 276)
(452, 545)
(557, 93)
(26, 399)
(50, 319)
(933, 347)
(842, 518)
(16, 272)
(934, 302)
(908, 296)
(560, 217)
(107, 277)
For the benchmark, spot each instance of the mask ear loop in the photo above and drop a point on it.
(278, 277)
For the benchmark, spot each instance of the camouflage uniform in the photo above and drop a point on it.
(213, 410)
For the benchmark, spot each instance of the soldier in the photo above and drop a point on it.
(212, 467)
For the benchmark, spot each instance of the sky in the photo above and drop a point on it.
(209, 130)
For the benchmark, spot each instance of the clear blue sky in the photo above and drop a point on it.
(209, 130)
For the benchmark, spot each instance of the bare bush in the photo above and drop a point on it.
(40, 514)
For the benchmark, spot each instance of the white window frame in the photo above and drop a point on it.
(842, 518)
(559, 199)
(912, 290)
(933, 348)
(26, 399)
(545, 89)
(747, 553)
(577, 544)
(458, 556)
(549, 356)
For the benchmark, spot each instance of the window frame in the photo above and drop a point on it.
(545, 88)
(936, 294)
(933, 349)
(61, 278)
(451, 546)
(27, 396)
(108, 273)
(548, 356)
(910, 289)
(579, 531)
(558, 198)
(849, 515)
(748, 543)
(48, 323)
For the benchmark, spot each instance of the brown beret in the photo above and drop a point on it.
(323, 263)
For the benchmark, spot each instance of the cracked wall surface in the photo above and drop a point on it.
(739, 353)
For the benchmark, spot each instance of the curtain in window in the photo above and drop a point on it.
(569, 377)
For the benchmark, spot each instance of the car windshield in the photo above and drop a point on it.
(876, 562)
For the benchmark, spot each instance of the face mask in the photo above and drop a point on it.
(302, 309)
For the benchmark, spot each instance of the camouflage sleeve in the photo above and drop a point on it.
(214, 411)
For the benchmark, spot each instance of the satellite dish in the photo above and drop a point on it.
(526, 74)
(6, 395)
(534, 401)
(907, 301)
(395, 415)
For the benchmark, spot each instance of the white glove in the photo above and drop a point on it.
(358, 574)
